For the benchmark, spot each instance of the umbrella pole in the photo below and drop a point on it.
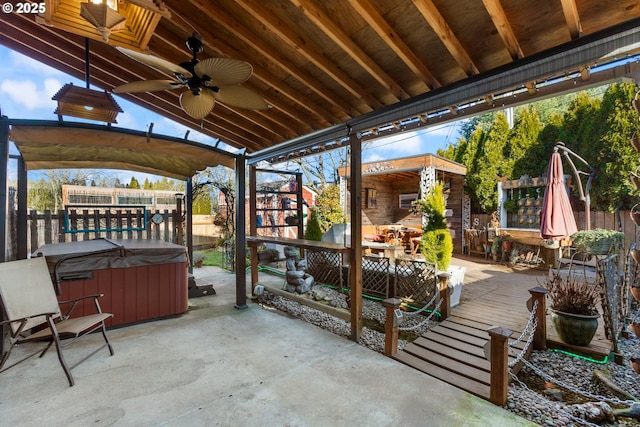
(585, 198)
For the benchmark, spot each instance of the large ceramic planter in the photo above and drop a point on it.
(635, 291)
(574, 329)
(598, 247)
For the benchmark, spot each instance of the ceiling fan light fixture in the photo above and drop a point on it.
(197, 106)
(104, 16)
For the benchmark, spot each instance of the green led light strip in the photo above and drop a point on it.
(588, 359)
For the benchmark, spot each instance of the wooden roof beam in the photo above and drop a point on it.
(433, 17)
(499, 18)
(394, 41)
(570, 11)
(275, 25)
(218, 15)
(335, 33)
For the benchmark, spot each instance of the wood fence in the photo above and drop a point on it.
(47, 227)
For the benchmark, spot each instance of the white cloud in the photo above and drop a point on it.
(30, 96)
(26, 64)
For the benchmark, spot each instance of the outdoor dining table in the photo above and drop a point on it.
(388, 250)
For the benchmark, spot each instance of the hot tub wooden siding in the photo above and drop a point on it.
(132, 294)
(140, 279)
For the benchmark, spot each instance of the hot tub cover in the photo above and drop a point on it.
(99, 254)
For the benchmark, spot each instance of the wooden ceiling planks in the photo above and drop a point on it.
(321, 63)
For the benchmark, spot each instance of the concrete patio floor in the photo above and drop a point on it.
(219, 366)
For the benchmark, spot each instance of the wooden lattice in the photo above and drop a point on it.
(375, 276)
(415, 280)
(325, 267)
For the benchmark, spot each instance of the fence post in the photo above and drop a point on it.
(443, 283)
(391, 326)
(539, 294)
(62, 227)
(499, 358)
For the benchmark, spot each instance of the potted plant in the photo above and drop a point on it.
(496, 248)
(573, 309)
(198, 259)
(598, 241)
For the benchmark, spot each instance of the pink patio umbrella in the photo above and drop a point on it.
(556, 219)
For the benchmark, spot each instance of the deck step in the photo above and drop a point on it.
(474, 387)
(453, 352)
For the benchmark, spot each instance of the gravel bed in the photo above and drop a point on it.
(541, 400)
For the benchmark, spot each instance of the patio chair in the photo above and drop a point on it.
(29, 303)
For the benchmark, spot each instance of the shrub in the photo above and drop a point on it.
(313, 231)
(436, 243)
(437, 247)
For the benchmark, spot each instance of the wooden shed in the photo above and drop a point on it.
(389, 187)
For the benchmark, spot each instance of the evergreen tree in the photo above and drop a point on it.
(328, 207)
(488, 165)
(616, 157)
(522, 138)
(436, 243)
(134, 183)
(313, 231)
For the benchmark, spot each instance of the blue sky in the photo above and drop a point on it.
(26, 88)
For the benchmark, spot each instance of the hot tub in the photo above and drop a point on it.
(140, 279)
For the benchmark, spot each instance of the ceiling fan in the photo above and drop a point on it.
(207, 81)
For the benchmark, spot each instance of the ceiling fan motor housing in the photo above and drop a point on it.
(194, 43)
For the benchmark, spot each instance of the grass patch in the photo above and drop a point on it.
(212, 257)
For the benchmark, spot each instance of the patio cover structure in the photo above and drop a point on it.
(72, 145)
(341, 73)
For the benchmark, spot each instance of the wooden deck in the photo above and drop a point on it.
(492, 296)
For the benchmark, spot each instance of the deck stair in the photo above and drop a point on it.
(453, 352)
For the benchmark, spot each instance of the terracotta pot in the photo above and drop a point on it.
(575, 329)
(507, 246)
(635, 364)
(635, 291)
(635, 254)
(635, 328)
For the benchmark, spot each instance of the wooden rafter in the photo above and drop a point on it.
(389, 36)
(570, 11)
(331, 30)
(297, 41)
(221, 17)
(499, 18)
(433, 17)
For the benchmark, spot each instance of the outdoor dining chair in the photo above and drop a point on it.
(29, 303)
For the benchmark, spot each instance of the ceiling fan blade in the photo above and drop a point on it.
(148, 86)
(224, 71)
(197, 106)
(155, 62)
(239, 96)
